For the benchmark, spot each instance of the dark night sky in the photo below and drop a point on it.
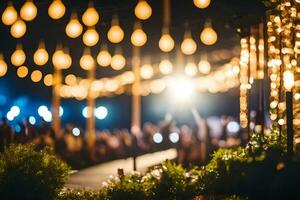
(222, 12)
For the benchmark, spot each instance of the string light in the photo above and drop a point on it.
(201, 3)
(188, 45)
(3, 66)
(104, 58)
(61, 60)
(22, 72)
(18, 58)
(190, 69)
(138, 37)
(143, 10)
(36, 76)
(9, 15)
(147, 71)
(204, 66)
(90, 17)
(90, 37)
(208, 35)
(41, 56)
(28, 11)
(87, 61)
(18, 29)
(165, 67)
(48, 80)
(73, 28)
(166, 43)
(115, 34)
(70, 79)
(57, 9)
(118, 62)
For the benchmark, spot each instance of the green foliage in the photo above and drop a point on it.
(29, 174)
(78, 194)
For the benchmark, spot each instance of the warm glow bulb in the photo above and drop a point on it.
(9, 16)
(18, 58)
(191, 69)
(165, 67)
(36, 76)
(90, 37)
(87, 62)
(74, 28)
(166, 43)
(288, 80)
(204, 67)
(143, 10)
(118, 62)
(115, 34)
(209, 36)
(48, 80)
(18, 29)
(28, 11)
(41, 57)
(3, 68)
(71, 79)
(202, 3)
(61, 60)
(57, 9)
(138, 37)
(104, 58)
(90, 17)
(147, 71)
(188, 46)
(22, 72)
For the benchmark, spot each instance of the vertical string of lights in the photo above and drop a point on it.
(283, 64)
(244, 85)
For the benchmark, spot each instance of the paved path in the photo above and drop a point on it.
(93, 177)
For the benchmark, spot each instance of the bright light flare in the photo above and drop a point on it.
(158, 138)
(182, 89)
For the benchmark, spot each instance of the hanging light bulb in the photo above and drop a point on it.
(204, 66)
(48, 80)
(118, 62)
(188, 45)
(115, 34)
(18, 58)
(9, 15)
(104, 58)
(166, 43)
(208, 36)
(87, 61)
(90, 17)
(73, 28)
(22, 72)
(61, 60)
(41, 55)
(165, 67)
(190, 69)
(201, 3)
(70, 79)
(57, 9)
(143, 10)
(36, 76)
(147, 71)
(28, 11)
(18, 29)
(90, 37)
(138, 37)
(3, 66)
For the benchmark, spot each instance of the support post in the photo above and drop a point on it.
(90, 121)
(56, 101)
(289, 123)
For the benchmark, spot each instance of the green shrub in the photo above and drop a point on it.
(78, 194)
(29, 174)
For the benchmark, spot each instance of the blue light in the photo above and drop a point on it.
(17, 128)
(15, 110)
(233, 127)
(101, 112)
(10, 116)
(42, 110)
(76, 131)
(174, 137)
(32, 120)
(61, 111)
(157, 138)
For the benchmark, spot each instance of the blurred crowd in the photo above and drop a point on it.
(194, 142)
